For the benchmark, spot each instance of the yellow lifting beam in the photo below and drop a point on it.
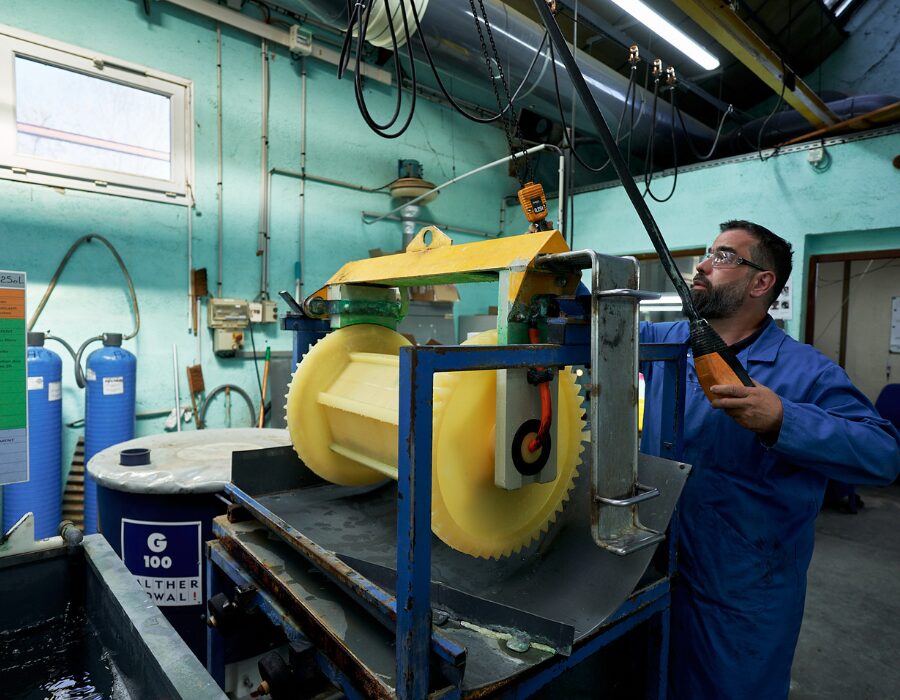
(721, 22)
(432, 259)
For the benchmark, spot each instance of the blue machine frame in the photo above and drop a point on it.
(416, 640)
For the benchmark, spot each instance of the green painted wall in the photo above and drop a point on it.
(38, 224)
(854, 205)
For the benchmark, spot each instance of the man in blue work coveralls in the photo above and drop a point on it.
(761, 457)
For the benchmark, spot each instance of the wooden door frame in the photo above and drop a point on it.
(814, 260)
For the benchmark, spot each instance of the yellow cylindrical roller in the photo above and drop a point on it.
(343, 409)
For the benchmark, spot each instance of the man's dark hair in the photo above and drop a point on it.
(771, 251)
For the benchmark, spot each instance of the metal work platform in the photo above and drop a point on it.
(392, 611)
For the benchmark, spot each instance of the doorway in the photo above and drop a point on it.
(849, 316)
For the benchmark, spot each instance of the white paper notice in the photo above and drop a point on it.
(895, 324)
(13, 380)
(113, 385)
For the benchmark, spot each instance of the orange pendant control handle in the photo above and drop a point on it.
(714, 361)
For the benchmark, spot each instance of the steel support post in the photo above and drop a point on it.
(414, 526)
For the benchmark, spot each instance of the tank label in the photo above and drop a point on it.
(113, 385)
(54, 391)
(166, 560)
(35, 383)
(90, 374)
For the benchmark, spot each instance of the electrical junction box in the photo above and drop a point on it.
(227, 313)
(227, 318)
(263, 311)
(300, 41)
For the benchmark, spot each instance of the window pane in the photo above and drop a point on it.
(67, 116)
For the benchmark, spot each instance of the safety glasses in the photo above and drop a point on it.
(728, 258)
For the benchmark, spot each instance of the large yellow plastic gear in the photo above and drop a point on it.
(343, 412)
(468, 511)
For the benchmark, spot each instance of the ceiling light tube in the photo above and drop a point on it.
(669, 32)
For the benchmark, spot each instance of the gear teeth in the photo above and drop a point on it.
(488, 544)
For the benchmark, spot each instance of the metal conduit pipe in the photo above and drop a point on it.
(449, 29)
(301, 239)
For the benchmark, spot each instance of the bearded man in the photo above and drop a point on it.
(761, 457)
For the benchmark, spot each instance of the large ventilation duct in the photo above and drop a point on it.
(449, 29)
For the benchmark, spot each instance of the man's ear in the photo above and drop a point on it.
(762, 284)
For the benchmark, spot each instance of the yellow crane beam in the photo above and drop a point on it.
(721, 22)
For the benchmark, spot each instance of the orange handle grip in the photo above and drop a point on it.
(715, 369)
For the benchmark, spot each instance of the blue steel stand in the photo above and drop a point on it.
(418, 364)
(412, 606)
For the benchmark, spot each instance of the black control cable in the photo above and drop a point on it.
(714, 361)
(648, 161)
(570, 141)
(687, 137)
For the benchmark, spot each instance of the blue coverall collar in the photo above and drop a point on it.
(766, 347)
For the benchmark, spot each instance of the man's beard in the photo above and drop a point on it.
(719, 302)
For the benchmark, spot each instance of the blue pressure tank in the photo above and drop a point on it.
(157, 496)
(42, 493)
(110, 372)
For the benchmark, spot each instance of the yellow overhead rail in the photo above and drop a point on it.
(718, 19)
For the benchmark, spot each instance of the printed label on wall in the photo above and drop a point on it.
(895, 324)
(35, 383)
(54, 391)
(165, 558)
(113, 385)
(13, 380)
(782, 307)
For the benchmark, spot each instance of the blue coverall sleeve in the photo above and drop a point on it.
(836, 432)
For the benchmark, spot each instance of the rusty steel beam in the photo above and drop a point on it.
(721, 22)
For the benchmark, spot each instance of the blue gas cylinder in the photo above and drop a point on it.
(110, 372)
(42, 493)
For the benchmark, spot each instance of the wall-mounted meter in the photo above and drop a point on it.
(227, 318)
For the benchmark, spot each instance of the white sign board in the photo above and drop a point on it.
(783, 307)
(13, 380)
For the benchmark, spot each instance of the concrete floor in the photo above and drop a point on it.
(850, 640)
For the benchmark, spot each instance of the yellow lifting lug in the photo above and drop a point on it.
(429, 238)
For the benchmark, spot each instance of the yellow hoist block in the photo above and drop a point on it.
(343, 415)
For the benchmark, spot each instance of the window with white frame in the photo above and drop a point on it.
(72, 118)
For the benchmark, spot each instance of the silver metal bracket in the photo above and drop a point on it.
(615, 521)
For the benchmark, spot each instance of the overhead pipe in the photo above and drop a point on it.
(449, 30)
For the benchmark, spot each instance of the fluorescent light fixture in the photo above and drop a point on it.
(669, 32)
(660, 307)
(666, 302)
